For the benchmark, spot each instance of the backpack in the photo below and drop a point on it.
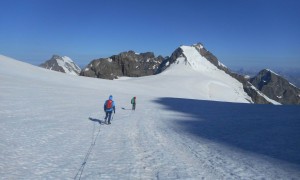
(109, 104)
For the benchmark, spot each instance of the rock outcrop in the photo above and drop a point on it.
(129, 64)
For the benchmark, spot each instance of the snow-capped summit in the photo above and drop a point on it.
(62, 64)
(190, 56)
(195, 56)
(187, 63)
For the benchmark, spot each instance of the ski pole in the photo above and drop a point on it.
(112, 117)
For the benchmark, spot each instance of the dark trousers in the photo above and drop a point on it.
(108, 115)
(133, 106)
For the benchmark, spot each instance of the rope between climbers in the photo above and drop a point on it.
(94, 138)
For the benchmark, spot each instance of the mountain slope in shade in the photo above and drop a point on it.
(62, 64)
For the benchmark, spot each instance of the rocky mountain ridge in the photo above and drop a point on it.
(134, 64)
(129, 64)
(276, 87)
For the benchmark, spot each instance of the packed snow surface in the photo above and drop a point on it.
(185, 127)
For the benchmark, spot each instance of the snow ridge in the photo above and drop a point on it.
(195, 60)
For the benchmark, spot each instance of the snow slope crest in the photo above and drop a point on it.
(188, 57)
(195, 60)
(62, 64)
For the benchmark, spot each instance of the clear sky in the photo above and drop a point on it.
(239, 32)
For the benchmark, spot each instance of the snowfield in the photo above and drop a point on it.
(189, 123)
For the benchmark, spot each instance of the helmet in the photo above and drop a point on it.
(110, 97)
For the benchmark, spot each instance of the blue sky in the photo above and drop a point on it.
(243, 33)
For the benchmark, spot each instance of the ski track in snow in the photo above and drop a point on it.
(49, 121)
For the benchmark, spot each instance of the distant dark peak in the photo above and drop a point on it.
(148, 54)
(55, 56)
(276, 87)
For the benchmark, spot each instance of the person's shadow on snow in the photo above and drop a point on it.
(97, 120)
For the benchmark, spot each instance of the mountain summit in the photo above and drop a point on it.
(196, 57)
(62, 64)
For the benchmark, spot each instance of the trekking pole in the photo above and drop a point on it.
(112, 117)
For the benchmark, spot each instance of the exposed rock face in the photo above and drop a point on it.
(276, 87)
(61, 64)
(170, 60)
(128, 64)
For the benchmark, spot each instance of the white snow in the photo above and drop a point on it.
(221, 64)
(196, 61)
(293, 85)
(109, 59)
(266, 97)
(46, 133)
(272, 72)
(68, 65)
(247, 77)
(196, 76)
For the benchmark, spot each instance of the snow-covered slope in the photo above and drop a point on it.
(62, 64)
(51, 128)
(199, 75)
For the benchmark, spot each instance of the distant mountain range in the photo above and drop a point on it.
(266, 87)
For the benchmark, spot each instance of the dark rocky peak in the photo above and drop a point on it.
(276, 87)
(168, 61)
(54, 57)
(128, 63)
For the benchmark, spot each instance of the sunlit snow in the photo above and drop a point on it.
(190, 123)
